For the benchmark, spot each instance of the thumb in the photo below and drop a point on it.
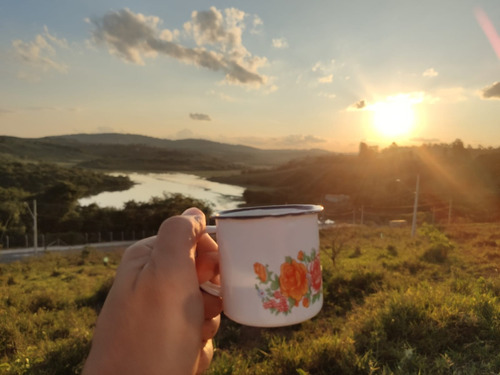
(174, 249)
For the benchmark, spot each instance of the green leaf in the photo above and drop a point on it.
(275, 285)
(288, 259)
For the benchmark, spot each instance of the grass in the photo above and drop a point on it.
(393, 305)
(48, 308)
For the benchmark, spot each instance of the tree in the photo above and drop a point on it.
(11, 208)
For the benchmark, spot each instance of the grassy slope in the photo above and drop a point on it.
(393, 305)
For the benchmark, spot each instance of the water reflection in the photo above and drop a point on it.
(221, 196)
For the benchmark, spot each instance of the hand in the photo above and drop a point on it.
(155, 319)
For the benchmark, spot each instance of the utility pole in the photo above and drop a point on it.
(35, 224)
(449, 210)
(415, 207)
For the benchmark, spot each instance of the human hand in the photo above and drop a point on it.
(155, 319)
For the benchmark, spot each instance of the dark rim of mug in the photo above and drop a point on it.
(265, 211)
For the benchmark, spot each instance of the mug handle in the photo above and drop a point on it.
(208, 286)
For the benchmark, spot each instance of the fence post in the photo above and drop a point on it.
(26, 240)
(7, 241)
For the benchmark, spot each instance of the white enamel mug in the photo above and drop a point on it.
(269, 264)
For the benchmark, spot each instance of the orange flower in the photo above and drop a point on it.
(260, 270)
(293, 280)
(305, 302)
(301, 255)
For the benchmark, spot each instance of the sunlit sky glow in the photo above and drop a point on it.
(275, 74)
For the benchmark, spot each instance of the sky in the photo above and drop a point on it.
(270, 74)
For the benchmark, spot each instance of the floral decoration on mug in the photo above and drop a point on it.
(298, 283)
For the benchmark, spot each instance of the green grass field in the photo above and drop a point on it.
(393, 305)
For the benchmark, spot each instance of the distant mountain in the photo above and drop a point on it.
(137, 152)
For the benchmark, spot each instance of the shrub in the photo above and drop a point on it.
(440, 245)
(7, 341)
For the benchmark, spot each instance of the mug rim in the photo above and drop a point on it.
(255, 212)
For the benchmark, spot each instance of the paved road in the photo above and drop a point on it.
(7, 256)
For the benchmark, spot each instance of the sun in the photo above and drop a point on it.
(394, 117)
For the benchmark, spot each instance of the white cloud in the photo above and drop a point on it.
(326, 79)
(218, 36)
(429, 73)
(323, 67)
(39, 55)
(257, 24)
(327, 95)
(280, 43)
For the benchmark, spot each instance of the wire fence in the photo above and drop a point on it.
(48, 240)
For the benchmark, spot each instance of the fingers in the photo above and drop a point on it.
(207, 259)
(206, 355)
(212, 305)
(174, 249)
(210, 328)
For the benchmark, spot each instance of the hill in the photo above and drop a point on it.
(137, 152)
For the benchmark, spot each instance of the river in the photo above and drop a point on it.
(148, 185)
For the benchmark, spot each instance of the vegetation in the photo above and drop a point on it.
(380, 185)
(393, 305)
(128, 152)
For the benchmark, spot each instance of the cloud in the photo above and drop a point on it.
(361, 104)
(280, 43)
(322, 72)
(105, 129)
(257, 24)
(200, 117)
(184, 134)
(39, 55)
(322, 67)
(326, 79)
(297, 140)
(218, 37)
(327, 95)
(429, 73)
(491, 92)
